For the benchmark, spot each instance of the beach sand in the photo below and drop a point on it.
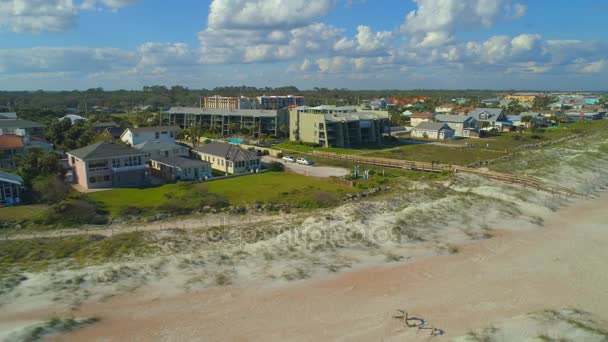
(488, 281)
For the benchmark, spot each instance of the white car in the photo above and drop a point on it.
(304, 161)
(289, 159)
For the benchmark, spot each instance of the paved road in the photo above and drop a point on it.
(312, 171)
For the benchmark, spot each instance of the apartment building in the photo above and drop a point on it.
(280, 102)
(222, 102)
(229, 121)
(337, 129)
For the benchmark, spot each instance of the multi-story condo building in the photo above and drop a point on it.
(280, 102)
(337, 129)
(229, 121)
(221, 102)
(108, 165)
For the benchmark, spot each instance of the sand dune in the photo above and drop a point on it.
(490, 281)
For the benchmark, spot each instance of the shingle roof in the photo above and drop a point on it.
(153, 145)
(10, 178)
(452, 118)
(493, 114)
(104, 150)
(181, 162)
(432, 126)
(227, 151)
(19, 124)
(9, 141)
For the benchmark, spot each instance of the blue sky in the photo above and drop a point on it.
(359, 44)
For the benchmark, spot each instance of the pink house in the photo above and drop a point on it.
(108, 165)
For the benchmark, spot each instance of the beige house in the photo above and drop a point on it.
(418, 118)
(433, 130)
(228, 158)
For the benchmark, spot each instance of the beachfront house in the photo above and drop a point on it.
(433, 130)
(462, 125)
(108, 165)
(174, 169)
(228, 158)
(490, 118)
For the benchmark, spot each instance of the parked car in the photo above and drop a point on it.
(304, 161)
(289, 159)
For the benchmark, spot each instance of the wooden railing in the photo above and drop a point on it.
(527, 182)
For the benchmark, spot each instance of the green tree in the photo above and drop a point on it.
(284, 129)
(37, 163)
(194, 135)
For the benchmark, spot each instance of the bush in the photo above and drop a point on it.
(130, 211)
(325, 199)
(266, 152)
(276, 166)
(280, 155)
(50, 189)
(74, 212)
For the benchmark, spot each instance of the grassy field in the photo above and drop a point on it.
(456, 152)
(24, 212)
(271, 187)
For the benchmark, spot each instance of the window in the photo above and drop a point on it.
(157, 135)
(172, 134)
(106, 178)
(92, 180)
(164, 133)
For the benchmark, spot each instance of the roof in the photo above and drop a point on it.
(432, 126)
(153, 129)
(9, 116)
(154, 145)
(73, 117)
(104, 150)
(226, 151)
(10, 141)
(223, 112)
(181, 162)
(357, 116)
(422, 116)
(115, 132)
(18, 123)
(10, 178)
(452, 118)
(493, 114)
(105, 124)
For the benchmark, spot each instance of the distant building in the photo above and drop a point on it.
(228, 158)
(11, 189)
(221, 102)
(24, 128)
(524, 97)
(229, 121)
(585, 116)
(462, 125)
(380, 104)
(18, 136)
(418, 118)
(174, 169)
(338, 129)
(108, 165)
(447, 108)
(11, 146)
(135, 136)
(280, 102)
(8, 116)
(490, 102)
(433, 130)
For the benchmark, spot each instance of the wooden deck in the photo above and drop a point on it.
(527, 182)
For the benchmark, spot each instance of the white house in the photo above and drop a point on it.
(433, 130)
(136, 136)
(447, 108)
(462, 125)
(159, 149)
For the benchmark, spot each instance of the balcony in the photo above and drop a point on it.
(129, 168)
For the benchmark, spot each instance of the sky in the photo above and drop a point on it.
(356, 44)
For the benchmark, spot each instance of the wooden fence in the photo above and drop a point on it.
(527, 182)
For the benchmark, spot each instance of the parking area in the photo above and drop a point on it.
(311, 171)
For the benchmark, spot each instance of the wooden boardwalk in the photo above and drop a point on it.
(527, 182)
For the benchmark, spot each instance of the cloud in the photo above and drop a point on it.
(111, 4)
(595, 67)
(266, 14)
(37, 15)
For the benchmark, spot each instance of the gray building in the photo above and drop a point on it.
(229, 121)
(462, 125)
(174, 169)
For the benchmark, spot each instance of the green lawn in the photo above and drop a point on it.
(271, 187)
(294, 147)
(23, 212)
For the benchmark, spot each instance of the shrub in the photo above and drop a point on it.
(276, 166)
(50, 189)
(280, 155)
(77, 211)
(325, 199)
(130, 211)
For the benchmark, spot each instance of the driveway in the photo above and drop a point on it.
(311, 171)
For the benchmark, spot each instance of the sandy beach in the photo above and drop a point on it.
(512, 274)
